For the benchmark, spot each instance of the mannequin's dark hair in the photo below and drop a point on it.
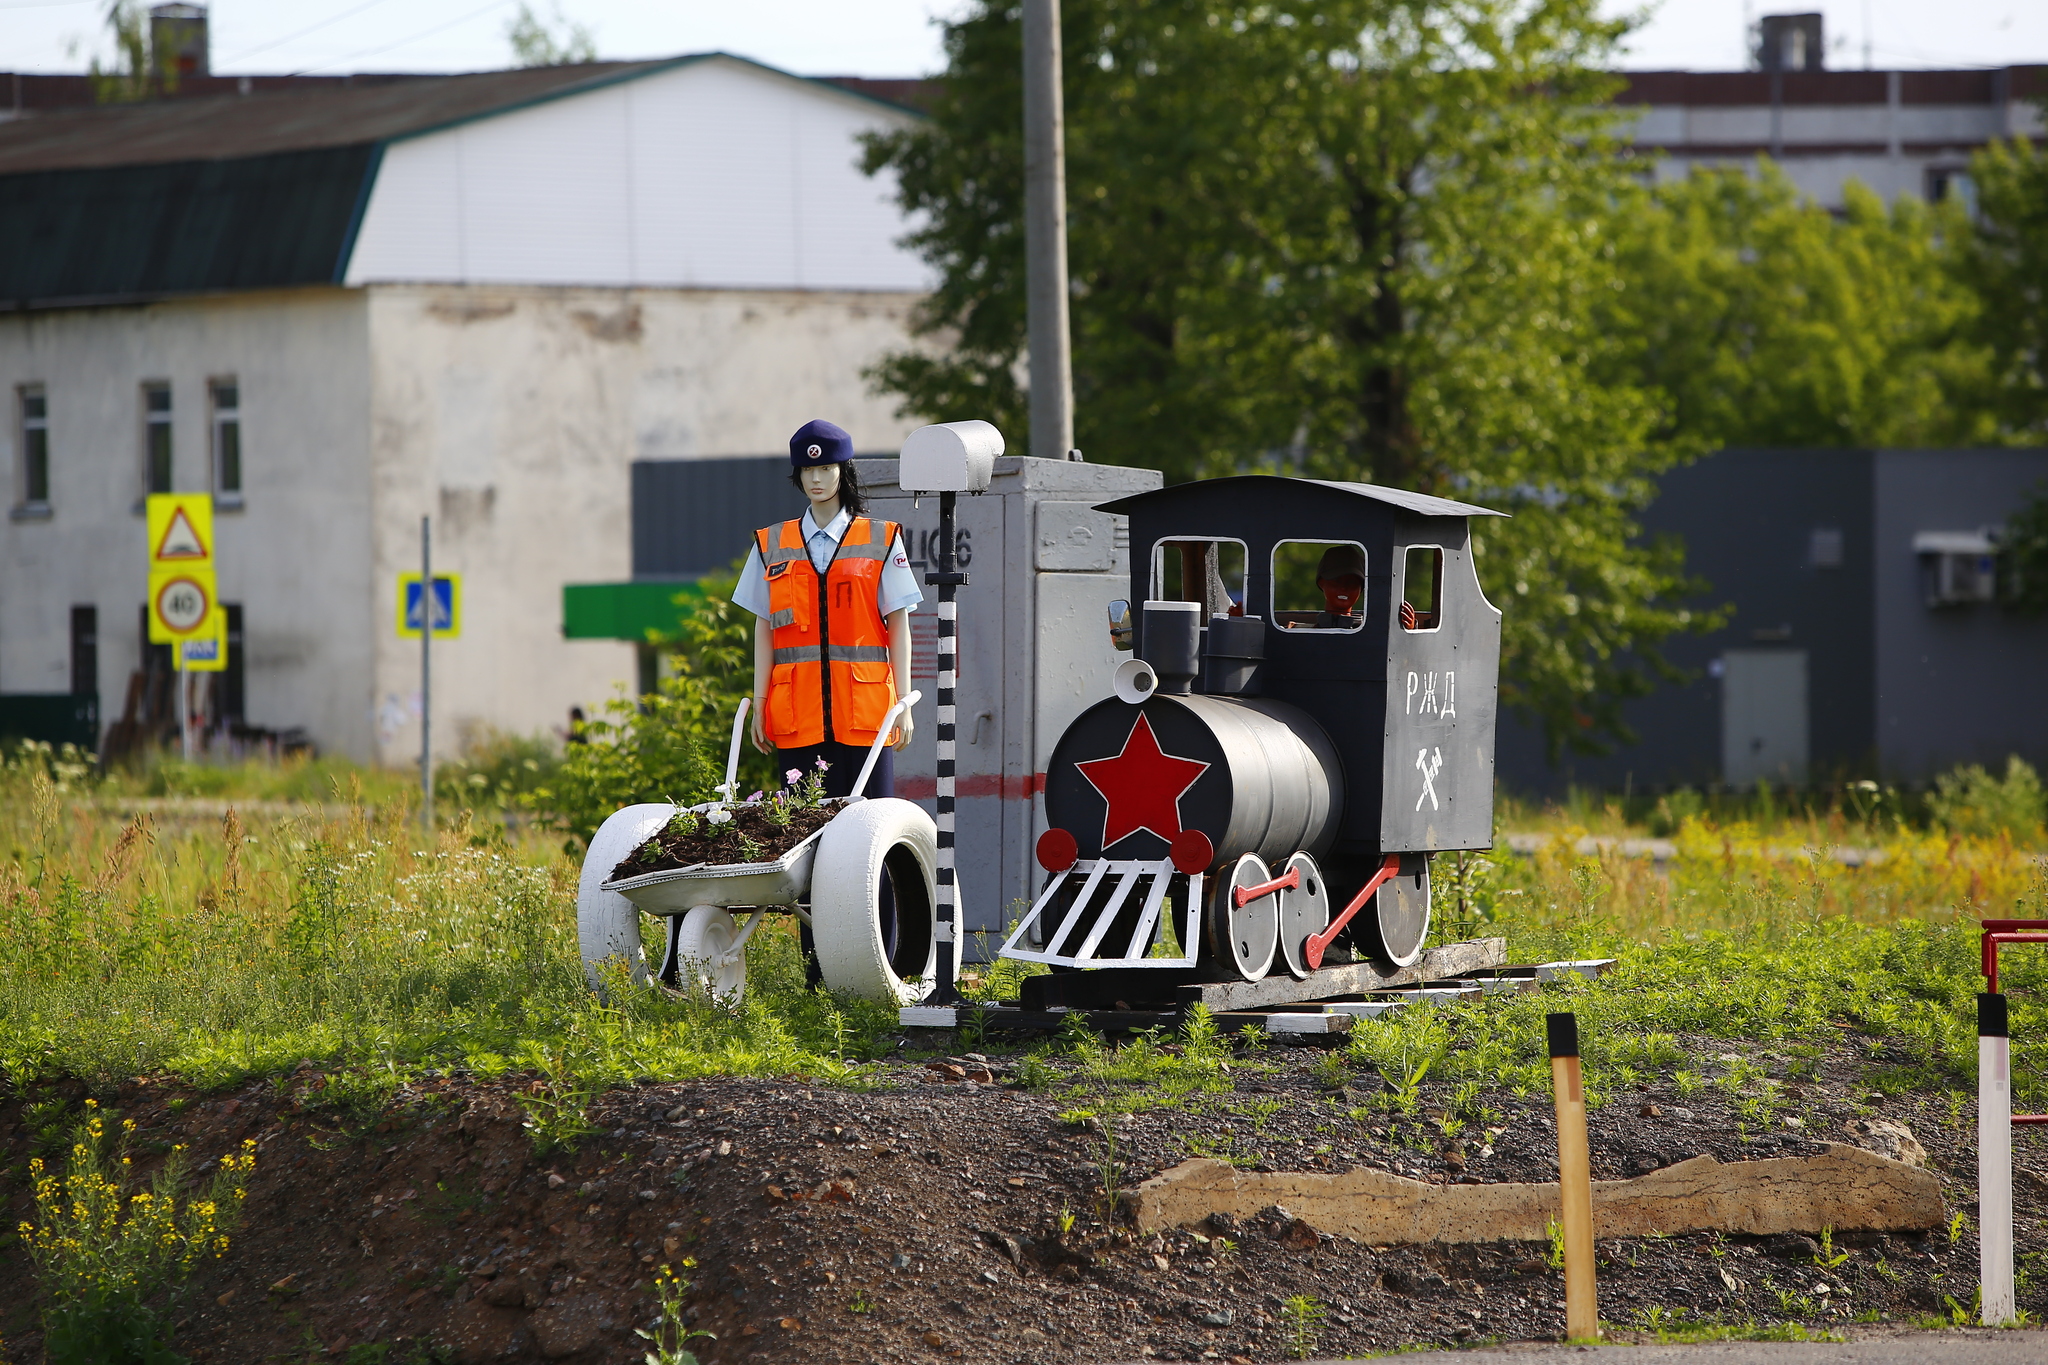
(850, 496)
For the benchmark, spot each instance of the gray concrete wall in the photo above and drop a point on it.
(513, 414)
(297, 553)
(1954, 684)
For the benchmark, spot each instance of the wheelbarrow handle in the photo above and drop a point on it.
(732, 754)
(903, 704)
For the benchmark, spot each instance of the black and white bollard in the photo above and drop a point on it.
(1994, 1158)
(948, 580)
(948, 459)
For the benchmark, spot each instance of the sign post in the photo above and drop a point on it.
(425, 613)
(184, 606)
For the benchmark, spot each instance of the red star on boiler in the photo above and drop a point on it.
(1143, 786)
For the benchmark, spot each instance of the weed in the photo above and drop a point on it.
(860, 1304)
(1554, 1258)
(1957, 1226)
(1224, 1247)
(1963, 1314)
(1066, 1220)
(1109, 1171)
(1827, 1257)
(104, 1250)
(670, 1335)
(1688, 1083)
(1303, 1317)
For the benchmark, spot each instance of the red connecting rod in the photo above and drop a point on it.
(1245, 895)
(1318, 944)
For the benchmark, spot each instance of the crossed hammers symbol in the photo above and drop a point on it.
(1429, 765)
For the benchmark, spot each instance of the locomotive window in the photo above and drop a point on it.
(1319, 585)
(1422, 582)
(1205, 570)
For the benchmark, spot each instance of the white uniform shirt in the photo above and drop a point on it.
(896, 589)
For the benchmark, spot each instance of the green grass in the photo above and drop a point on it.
(220, 951)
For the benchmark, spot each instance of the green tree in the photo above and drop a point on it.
(1762, 319)
(1360, 239)
(2005, 262)
(130, 76)
(540, 42)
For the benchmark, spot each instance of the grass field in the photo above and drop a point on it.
(214, 947)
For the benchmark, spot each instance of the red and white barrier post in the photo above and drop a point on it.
(1994, 1158)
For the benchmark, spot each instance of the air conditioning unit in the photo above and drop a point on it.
(1958, 567)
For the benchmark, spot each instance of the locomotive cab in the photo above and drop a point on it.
(1312, 719)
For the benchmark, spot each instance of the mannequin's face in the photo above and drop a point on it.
(821, 483)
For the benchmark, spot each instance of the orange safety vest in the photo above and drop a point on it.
(850, 697)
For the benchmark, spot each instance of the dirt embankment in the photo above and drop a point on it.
(935, 1219)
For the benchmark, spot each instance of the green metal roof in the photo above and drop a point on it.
(181, 227)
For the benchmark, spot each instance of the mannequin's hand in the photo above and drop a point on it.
(760, 735)
(903, 729)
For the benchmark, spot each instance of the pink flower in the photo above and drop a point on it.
(822, 764)
(755, 797)
(792, 776)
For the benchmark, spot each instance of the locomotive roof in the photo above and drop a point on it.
(1421, 503)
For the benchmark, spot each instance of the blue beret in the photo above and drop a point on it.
(819, 442)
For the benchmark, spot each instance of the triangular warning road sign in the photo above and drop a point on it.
(181, 539)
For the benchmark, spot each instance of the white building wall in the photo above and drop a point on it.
(296, 556)
(717, 174)
(513, 414)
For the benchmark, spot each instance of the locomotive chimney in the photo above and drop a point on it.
(1171, 643)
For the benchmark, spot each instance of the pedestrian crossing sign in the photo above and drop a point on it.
(447, 599)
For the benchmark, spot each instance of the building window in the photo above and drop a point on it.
(35, 446)
(156, 438)
(85, 651)
(226, 397)
(1952, 182)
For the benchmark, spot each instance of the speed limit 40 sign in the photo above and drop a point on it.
(181, 605)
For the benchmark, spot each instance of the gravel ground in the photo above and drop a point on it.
(946, 1214)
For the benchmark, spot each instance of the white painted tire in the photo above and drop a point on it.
(863, 842)
(705, 935)
(607, 924)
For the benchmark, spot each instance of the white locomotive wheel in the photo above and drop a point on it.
(1396, 925)
(698, 955)
(1245, 936)
(872, 944)
(607, 924)
(1304, 910)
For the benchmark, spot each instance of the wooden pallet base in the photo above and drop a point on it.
(1330, 1001)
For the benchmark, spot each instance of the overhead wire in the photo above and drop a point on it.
(294, 37)
(424, 33)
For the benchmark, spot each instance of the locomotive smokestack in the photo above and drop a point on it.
(1172, 643)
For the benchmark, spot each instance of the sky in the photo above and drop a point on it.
(900, 37)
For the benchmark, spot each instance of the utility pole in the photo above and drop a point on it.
(426, 674)
(1045, 235)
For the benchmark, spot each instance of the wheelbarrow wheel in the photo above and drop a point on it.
(699, 952)
(874, 888)
(607, 924)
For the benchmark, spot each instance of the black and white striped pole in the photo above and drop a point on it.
(949, 459)
(1994, 1158)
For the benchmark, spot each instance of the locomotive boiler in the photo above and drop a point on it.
(1307, 718)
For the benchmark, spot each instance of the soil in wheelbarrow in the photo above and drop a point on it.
(944, 1211)
(751, 836)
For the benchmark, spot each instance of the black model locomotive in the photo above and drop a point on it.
(1308, 717)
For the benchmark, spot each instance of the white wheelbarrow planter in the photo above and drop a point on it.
(868, 878)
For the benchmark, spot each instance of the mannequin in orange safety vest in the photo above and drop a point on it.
(831, 638)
